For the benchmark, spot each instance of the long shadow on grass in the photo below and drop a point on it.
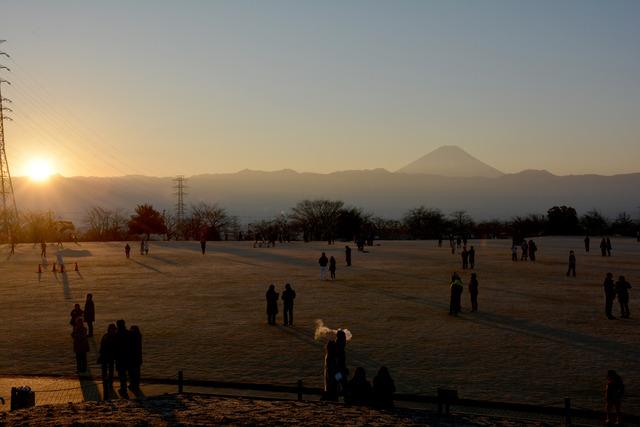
(521, 326)
(148, 267)
(89, 387)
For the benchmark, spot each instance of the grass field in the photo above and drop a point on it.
(539, 336)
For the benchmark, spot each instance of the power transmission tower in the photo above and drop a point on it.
(9, 209)
(179, 192)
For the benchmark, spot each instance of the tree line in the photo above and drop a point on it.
(309, 220)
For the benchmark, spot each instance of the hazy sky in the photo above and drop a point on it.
(162, 88)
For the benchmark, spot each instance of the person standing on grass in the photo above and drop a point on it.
(514, 253)
(135, 358)
(533, 248)
(465, 258)
(587, 243)
(622, 290)
(287, 301)
(603, 247)
(609, 295)
(122, 354)
(456, 294)
(127, 250)
(608, 242)
(203, 245)
(347, 255)
(323, 261)
(142, 246)
(332, 267)
(106, 359)
(330, 373)
(272, 304)
(572, 264)
(80, 345)
(473, 291)
(472, 257)
(613, 394)
(146, 247)
(525, 251)
(75, 314)
(89, 313)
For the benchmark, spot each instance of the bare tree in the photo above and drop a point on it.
(208, 221)
(317, 219)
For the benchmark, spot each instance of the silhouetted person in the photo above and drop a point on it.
(347, 255)
(272, 304)
(622, 291)
(465, 258)
(287, 298)
(525, 251)
(359, 390)
(89, 313)
(80, 345)
(383, 389)
(603, 247)
(106, 359)
(609, 295)
(458, 242)
(122, 354)
(330, 371)
(75, 314)
(572, 264)
(146, 247)
(587, 243)
(142, 247)
(473, 291)
(341, 359)
(332, 267)
(456, 293)
(43, 249)
(127, 250)
(203, 245)
(135, 358)
(472, 257)
(608, 241)
(514, 252)
(532, 250)
(613, 394)
(323, 261)
(439, 241)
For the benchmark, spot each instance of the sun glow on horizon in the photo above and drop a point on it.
(39, 170)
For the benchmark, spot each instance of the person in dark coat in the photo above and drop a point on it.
(127, 250)
(587, 243)
(122, 354)
(465, 258)
(603, 247)
(473, 291)
(622, 290)
(341, 360)
(332, 267)
(456, 293)
(323, 261)
(514, 252)
(75, 314)
(330, 371)
(572, 264)
(203, 245)
(533, 248)
(472, 257)
(613, 394)
(383, 389)
(608, 243)
(359, 388)
(272, 304)
(287, 297)
(142, 247)
(80, 345)
(609, 295)
(347, 255)
(135, 358)
(525, 251)
(89, 313)
(106, 359)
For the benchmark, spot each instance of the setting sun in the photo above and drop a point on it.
(39, 170)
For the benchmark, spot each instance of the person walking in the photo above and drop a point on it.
(80, 345)
(127, 250)
(135, 358)
(122, 346)
(622, 291)
(106, 359)
(288, 295)
(272, 304)
(347, 255)
(456, 294)
(332, 267)
(609, 295)
(572, 264)
(473, 291)
(89, 313)
(472, 257)
(587, 243)
(323, 261)
(613, 394)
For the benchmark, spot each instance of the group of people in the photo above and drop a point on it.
(288, 295)
(331, 263)
(456, 288)
(468, 257)
(619, 289)
(79, 334)
(357, 390)
(528, 248)
(120, 348)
